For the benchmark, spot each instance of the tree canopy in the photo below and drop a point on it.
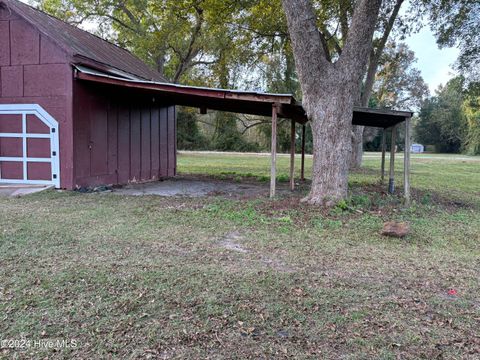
(457, 23)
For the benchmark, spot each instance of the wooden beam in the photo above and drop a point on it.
(384, 147)
(406, 161)
(391, 181)
(292, 156)
(302, 175)
(273, 169)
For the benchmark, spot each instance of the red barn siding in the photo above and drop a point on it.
(164, 141)
(155, 143)
(145, 145)
(112, 158)
(12, 81)
(46, 79)
(24, 43)
(50, 53)
(135, 144)
(123, 144)
(4, 43)
(35, 71)
(118, 137)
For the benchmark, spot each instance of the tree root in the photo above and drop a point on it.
(319, 201)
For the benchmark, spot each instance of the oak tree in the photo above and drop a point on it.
(330, 89)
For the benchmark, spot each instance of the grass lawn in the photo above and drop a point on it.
(139, 277)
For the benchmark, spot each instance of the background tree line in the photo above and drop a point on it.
(450, 120)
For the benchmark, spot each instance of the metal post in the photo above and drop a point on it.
(273, 170)
(302, 172)
(406, 161)
(292, 156)
(391, 181)
(384, 147)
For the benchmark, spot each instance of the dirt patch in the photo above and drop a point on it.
(231, 242)
(252, 258)
(196, 186)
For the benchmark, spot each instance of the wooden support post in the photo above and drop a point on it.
(384, 147)
(391, 181)
(273, 169)
(406, 161)
(292, 156)
(302, 175)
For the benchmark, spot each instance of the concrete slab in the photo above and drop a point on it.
(195, 187)
(16, 190)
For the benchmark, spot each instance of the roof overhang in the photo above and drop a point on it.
(244, 102)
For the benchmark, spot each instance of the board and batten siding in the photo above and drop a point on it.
(34, 70)
(121, 138)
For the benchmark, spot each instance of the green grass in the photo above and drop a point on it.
(453, 175)
(132, 277)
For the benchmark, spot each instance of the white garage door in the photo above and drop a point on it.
(29, 147)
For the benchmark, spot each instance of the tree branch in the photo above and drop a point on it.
(359, 40)
(310, 57)
(191, 52)
(376, 53)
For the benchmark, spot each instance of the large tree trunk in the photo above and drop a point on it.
(356, 157)
(359, 135)
(331, 144)
(329, 91)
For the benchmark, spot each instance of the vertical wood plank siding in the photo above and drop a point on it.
(133, 140)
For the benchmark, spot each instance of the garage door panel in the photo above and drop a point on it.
(10, 123)
(36, 126)
(39, 171)
(29, 145)
(11, 170)
(38, 148)
(11, 147)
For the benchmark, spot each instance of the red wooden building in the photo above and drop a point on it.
(56, 130)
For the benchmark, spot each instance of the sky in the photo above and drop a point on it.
(435, 64)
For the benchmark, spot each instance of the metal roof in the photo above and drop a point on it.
(245, 102)
(204, 91)
(82, 46)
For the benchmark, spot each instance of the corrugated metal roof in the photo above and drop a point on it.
(81, 44)
(87, 70)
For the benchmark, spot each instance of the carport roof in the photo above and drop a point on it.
(245, 102)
